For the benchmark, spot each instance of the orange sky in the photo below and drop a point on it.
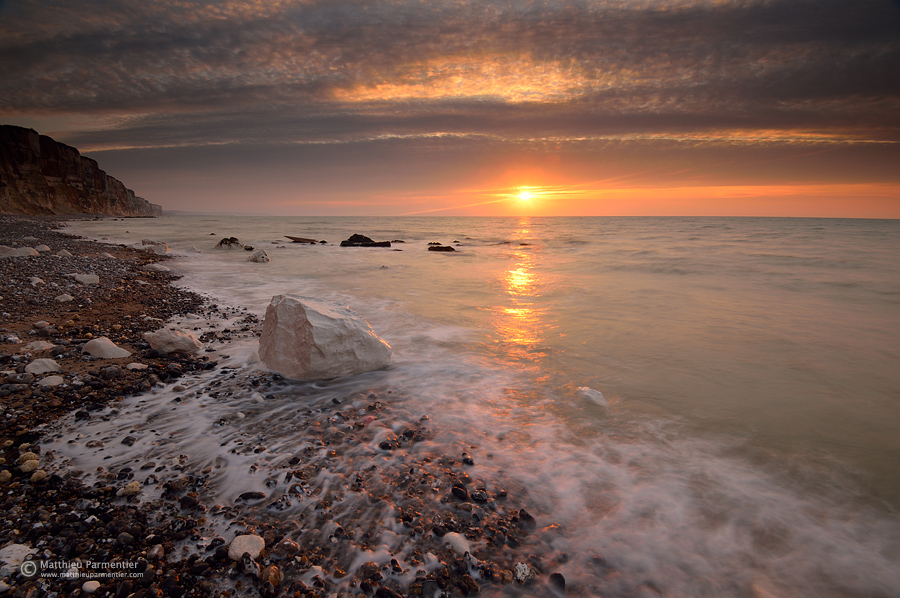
(669, 107)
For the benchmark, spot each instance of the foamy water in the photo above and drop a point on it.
(708, 404)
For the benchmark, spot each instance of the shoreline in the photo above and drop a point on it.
(59, 517)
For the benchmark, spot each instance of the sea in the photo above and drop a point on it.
(691, 406)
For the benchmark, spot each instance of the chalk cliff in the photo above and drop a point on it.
(41, 176)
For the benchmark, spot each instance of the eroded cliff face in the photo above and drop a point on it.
(41, 176)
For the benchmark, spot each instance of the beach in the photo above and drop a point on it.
(161, 530)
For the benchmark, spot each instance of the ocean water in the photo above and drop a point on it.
(710, 404)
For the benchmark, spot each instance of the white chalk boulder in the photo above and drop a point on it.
(260, 257)
(42, 366)
(156, 268)
(173, 341)
(313, 339)
(87, 279)
(103, 348)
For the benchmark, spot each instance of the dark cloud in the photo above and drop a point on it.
(298, 72)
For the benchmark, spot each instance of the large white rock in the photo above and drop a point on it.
(103, 348)
(259, 256)
(42, 366)
(314, 339)
(63, 298)
(173, 341)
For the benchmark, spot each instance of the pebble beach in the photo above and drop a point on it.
(452, 533)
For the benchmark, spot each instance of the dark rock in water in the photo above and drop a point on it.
(228, 243)
(252, 496)
(460, 492)
(441, 248)
(467, 459)
(357, 240)
(526, 520)
(129, 440)
(434, 243)
(467, 585)
(386, 593)
(479, 496)
(558, 582)
(248, 247)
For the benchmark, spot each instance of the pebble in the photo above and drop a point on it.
(89, 587)
(249, 543)
(523, 573)
(52, 381)
(29, 466)
(130, 490)
(42, 366)
(457, 542)
(558, 582)
(38, 476)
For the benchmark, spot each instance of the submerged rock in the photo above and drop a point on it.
(357, 240)
(229, 243)
(259, 257)
(313, 339)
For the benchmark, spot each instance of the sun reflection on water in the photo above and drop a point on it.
(520, 324)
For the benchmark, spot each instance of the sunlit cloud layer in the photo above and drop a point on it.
(586, 77)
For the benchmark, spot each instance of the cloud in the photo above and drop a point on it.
(335, 71)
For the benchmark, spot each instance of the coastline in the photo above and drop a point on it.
(163, 522)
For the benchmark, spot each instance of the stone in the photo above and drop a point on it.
(42, 366)
(457, 542)
(357, 240)
(39, 345)
(64, 298)
(63, 253)
(129, 490)
(249, 543)
(175, 340)
(11, 556)
(107, 256)
(29, 466)
(87, 279)
(42, 249)
(194, 249)
(89, 587)
(441, 248)
(36, 280)
(157, 247)
(17, 251)
(229, 243)
(594, 396)
(523, 573)
(558, 582)
(136, 366)
(103, 348)
(5, 476)
(314, 339)
(260, 257)
(156, 268)
(38, 476)
(271, 574)
(51, 381)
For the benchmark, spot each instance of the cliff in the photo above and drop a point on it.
(41, 176)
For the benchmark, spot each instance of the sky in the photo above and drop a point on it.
(471, 107)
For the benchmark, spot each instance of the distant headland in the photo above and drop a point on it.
(40, 176)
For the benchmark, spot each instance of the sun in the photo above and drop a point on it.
(526, 195)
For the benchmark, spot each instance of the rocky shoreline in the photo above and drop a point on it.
(455, 534)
